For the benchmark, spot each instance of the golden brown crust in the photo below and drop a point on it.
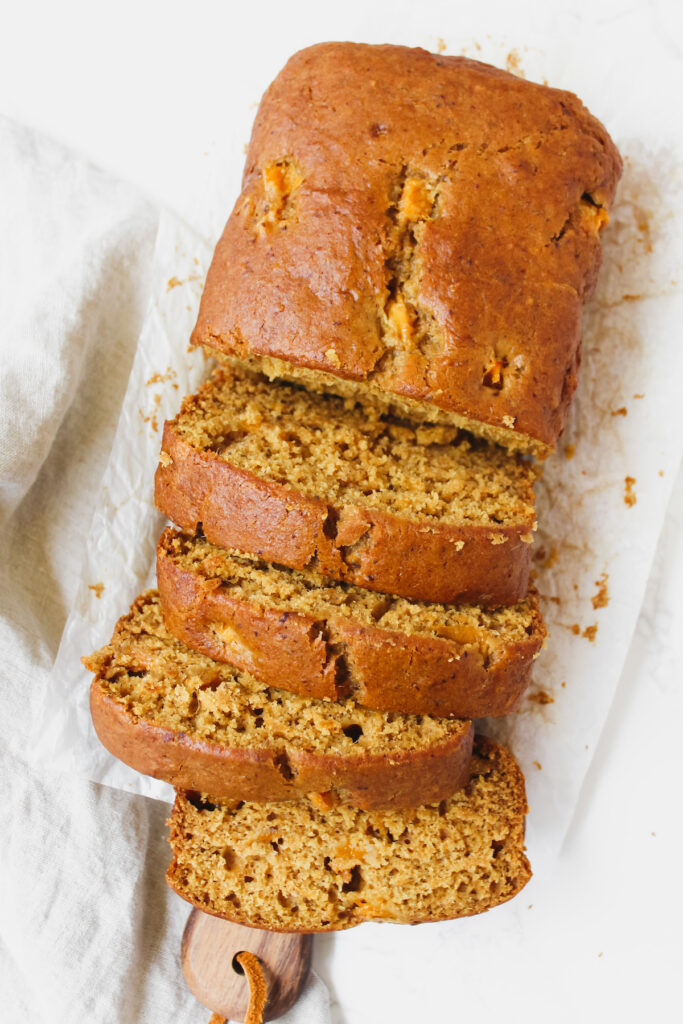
(501, 823)
(260, 774)
(335, 657)
(386, 189)
(259, 769)
(366, 546)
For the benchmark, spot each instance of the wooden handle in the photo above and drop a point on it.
(213, 973)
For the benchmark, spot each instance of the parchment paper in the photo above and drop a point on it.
(601, 500)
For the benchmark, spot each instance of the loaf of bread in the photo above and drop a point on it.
(313, 481)
(426, 227)
(395, 306)
(304, 633)
(198, 724)
(293, 867)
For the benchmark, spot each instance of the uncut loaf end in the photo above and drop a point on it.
(386, 189)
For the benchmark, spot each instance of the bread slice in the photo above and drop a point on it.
(309, 635)
(314, 481)
(293, 867)
(418, 225)
(176, 715)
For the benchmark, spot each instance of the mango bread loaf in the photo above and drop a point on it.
(293, 867)
(307, 634)
(176, 715)
(314, 481)
(425, 226)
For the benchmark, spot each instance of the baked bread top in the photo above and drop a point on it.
(423, 224)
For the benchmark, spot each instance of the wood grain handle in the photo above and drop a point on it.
(242, 973)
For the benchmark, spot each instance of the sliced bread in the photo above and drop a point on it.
(179, 716)
(310, 635)
(315, 481)
(293, 867)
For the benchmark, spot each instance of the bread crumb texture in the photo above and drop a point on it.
(159, 680)
(333, 448)
(294, 867)
(304, 592)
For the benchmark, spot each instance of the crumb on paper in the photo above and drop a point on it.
(575, 628)
(97, 589)
(629, 493)
(601, 598)
(621, 411)
(631, 298)
(541, 697)
(563, 683)
(441, 45)
(570, 451)
(245, 148)
(151, 418)
(590, 632)
(161, 378)
(639, 396)
(513, 63)
(545, 559)
(176, 282)
(661, 472)
(537, 764)
(555, 600)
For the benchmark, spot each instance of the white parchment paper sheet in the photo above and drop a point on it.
(597, 532)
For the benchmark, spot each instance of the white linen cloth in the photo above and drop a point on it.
(88, 928)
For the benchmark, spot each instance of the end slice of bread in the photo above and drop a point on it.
(172, 713)
(293, 867)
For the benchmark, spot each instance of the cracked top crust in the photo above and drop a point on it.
(425, 226)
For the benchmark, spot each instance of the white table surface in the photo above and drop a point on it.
(155, 93)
